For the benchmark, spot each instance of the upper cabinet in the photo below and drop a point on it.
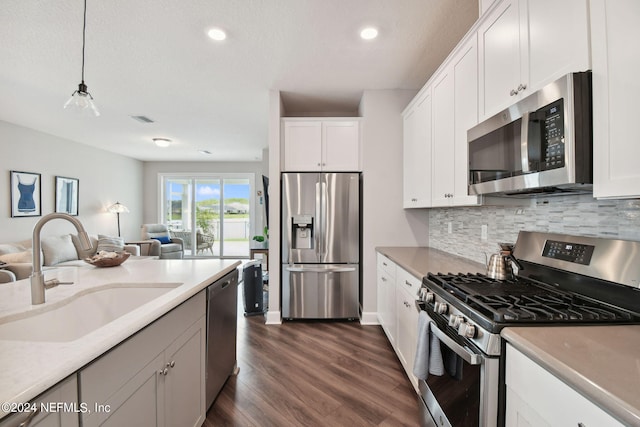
(525, 44)
(321, 144)
(455, 110)
(614, 27)
(417, 152)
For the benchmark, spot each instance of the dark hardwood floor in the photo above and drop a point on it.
(314, 374)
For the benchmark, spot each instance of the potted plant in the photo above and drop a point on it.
(262, 239)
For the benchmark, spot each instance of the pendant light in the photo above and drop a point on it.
(81, 100)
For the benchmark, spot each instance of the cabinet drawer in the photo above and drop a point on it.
(105, 375)
(386, 265)
(542, 391)
(407, 282)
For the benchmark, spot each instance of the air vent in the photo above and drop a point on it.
(142, 119)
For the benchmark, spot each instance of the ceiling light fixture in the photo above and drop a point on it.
(369, 33)
(217, 34)
(81, 100)
(162, 142)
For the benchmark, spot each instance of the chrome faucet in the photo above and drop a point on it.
(38, 284)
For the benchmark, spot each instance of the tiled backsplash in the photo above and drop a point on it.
(577, 215)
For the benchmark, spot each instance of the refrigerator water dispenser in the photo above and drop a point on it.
(302, 231)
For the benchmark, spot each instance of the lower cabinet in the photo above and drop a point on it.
(56, 407)
(397, 313)
(535, 397)
(155, 378)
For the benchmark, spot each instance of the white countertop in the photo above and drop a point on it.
(30, 368)
(600, 362)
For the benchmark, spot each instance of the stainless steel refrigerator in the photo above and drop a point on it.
(320, 245)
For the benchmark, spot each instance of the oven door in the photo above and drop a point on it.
(466, 395)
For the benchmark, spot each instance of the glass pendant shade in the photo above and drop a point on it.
(81, 102)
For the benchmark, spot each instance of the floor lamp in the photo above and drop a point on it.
(118, 208)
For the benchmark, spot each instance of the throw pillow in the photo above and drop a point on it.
(16, 257)
(57, 249)
(163, 239)
(110, 244)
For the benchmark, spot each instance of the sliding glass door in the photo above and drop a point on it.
(210, 213)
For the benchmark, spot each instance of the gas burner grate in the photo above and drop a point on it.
(523, 300)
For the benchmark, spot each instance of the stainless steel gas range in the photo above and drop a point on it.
(565, 280)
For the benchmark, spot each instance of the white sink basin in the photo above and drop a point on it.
(73, 318)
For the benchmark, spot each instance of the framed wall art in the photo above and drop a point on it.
(25, 194)
(67, 195)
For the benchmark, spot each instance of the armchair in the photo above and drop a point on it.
(169, 247)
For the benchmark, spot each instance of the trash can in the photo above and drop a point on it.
(252, 288)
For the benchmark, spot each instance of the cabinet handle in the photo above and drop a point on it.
(164, 371)
(581, 425)
(29, 418)
(406, 282)
(383, 279)
(513, 92)
(522, 87)
(171, 364)
(384, 263)
(318, 164)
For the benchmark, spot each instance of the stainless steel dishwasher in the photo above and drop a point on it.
(222, 326)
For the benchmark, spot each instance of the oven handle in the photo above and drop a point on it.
(467, 355)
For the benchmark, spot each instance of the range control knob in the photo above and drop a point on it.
(467, 330)
(456, 320)
(429, 297)
(441, 307)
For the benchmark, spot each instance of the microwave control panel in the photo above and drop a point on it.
(551, 119)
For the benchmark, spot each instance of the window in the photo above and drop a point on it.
(211, 213)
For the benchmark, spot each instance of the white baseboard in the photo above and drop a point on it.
(273, 318)
(369, 318)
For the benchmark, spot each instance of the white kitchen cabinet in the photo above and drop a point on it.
(387, 297)
(416, 153)
(455, 110)
(443, 171)
(321, 145)
(526, 44)
(156, 377)
(49, 412)
(614, 29)
(406, 289)
(533, 395)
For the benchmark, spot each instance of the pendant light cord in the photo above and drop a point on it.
(84, 31)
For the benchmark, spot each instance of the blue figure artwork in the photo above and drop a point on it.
(26, 202)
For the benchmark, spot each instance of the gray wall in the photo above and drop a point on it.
(576, 215)
(104, 177)
(384, 221)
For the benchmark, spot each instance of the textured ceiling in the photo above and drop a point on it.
(153, 58)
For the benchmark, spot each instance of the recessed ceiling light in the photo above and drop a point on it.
(162, 142)
(217, 34)
(369, 33)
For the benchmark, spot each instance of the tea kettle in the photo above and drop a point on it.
(499, 265)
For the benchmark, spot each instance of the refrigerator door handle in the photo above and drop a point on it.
(337, 269)
(317, 232)
(323, 219)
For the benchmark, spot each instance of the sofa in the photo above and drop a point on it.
(57, 251)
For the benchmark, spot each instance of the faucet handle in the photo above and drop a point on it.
(52, 283)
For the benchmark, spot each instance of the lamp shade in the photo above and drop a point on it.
(118, 208)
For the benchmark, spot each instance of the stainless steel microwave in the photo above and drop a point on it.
(542, 145)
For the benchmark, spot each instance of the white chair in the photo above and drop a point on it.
(169, 247)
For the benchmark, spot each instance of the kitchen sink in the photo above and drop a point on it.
(81, 314)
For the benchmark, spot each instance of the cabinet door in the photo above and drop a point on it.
(614, 24)
(65, 392)
(499, 44)
(533, 394)
(443, 139)
(341, 146)
(302, 145)
(465, 99)
(407, 332)
(558, 39)
(385, 285)
(417, 153)
(138, 402)
(185, 381)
